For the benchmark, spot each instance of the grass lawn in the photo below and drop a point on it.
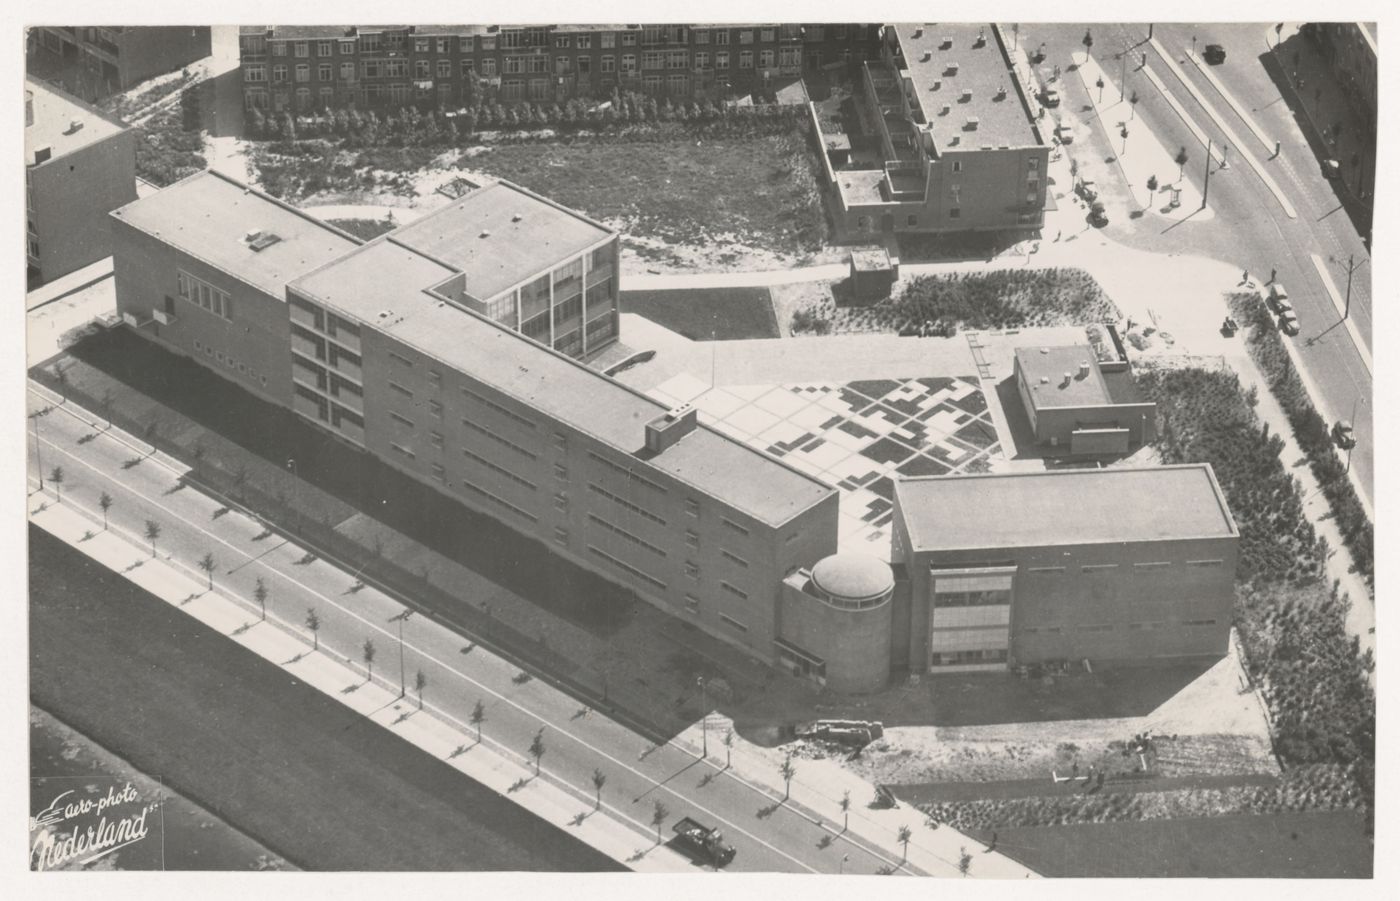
(273, 757)
(365, 229)
(761, 190)
(704, 314)
(1284, 845)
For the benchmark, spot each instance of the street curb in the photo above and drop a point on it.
(1234, 104)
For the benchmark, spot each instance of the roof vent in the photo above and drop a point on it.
(670, 427)
(1068, 378)
(74, 125)
(385, 314)
(927, 55)
(981, 37)
(516, 218)
(966, 95)
(935, 84)
(972, 123)
(947, 108)
(1001, 92)
(1045, 379)
(952, 69)
(484, 234)
(947, 42)
(919, 32)
(1083, 369)
(261, 240)
(1045, 350)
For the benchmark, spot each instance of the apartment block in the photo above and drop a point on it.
(1019, 568)
(80, 164)
(1080, 405)
(303, 68)
(961, 148)
(96, 61)
(392, 347)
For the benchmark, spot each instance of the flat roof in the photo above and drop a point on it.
(381, 284)
(1051, 363)
(54, 115)
(982, 68)
(209, 215)
(1065, 507)
(501, 235)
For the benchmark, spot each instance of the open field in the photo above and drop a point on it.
(1324, 844)
(278, 760)
(707, 314)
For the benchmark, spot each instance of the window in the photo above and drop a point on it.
(444, 68)
(692, 570)
(561, 502)
(912, 221)
(1098, 568)
(626, 504)
(734, 526)
(692, 538)
(439, 474)
(561, 536)
(420, 45)
(421, 68)
(1057, 570)
(653, 59)
(607, 40)
(722, 37)
(702, 37)
(503, 503)
(561, 65)
(279, 73)
(464, 45)
(702, 60)
(585, 65)
(746, 37)
(539, 89)
(324, 48)
(722, 59)
(323, 72)
(957, 165)
(434, 377)
(301, 49)
(561, 41)
(561, 442)
(401, 420)
(629, 39)
(733, 623)
(745, 59)
(400, 390)
(692, 507)
(435, 439)
(255, 73)
(279, 49)
(347, 47)
(498, 408)
(203, 294)
(488, 42)
(406, 451)
(628, 536)
(630, 475)
(609, 64)
(629, 63)
(1198, 622)
(1152, 569)
(734, 558)
(1205, 564)
(790, 56)
(503, 442)
(501, 470)
(468, 66)
(372, 68)
(488, 68)
(677, 59)
(627, 568)
(954, 213)
(1034, 165)
(442, 44)
(561, 472)
(692, 604)
(369, 43)
(303, 72)
(514, 65)
(347, 71)
(765, 59)
(766, 35)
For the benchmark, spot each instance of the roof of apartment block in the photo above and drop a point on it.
(501, 235)
(54, 115)
(209, 216)
(379, 285)
(982, 68)
(1065, 507)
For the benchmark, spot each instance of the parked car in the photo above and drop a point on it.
(1215, 54)
(1278, 298)
(1050, 97)
(703, 842)
(1331, 169)
(1344, 435)
(1064, 134)
(1086, 189)
(1288, 323)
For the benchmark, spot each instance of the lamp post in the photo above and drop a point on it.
(1124, 133)
(402, 617)
(1123, 76)
(1351, 267)
(296, 517)
(1193, 45)
(704, 717)
(38, 452)
(1205, 191)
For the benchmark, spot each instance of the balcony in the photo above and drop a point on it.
(352, 432)
(599, 275)
(307, 408)
(350, 370)
(307, 348)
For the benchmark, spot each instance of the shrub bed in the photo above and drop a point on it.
(168, 147)
(1309, 429)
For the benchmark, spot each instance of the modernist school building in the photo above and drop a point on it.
(449, 349)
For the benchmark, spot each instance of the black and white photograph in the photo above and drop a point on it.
(773, 443)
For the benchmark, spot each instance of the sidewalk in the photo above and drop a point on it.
(374, 700)
(68, 284)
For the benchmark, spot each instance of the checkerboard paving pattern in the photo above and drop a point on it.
(857, 436)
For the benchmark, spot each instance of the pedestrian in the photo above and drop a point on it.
(1058, 234)
(1273, 274)
(1245, 279)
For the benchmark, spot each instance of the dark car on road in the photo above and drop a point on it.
(1215, 54)
(1344, 435)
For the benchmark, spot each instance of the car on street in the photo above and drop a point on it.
(1278, 298)
(1344, 435)
(1215, 54)
(1050, 97)
(1331, 169)
(1064, 134)
(1288, 323)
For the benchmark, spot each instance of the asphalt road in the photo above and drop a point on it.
(268, 754)
(769, 836)
(1249, 226)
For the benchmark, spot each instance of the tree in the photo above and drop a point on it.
(152, 533)
(788, 771)
(1133, 101)
(599, 780)
(846, 810)
(420, 682)
(1152, 183)
(207, 564)
(105, 502)
(964, 861)
(537, 749)
(477, 718)
(313, 622)
(368, 651)
(659, 813)
(728, 746)
(1181, 160)
(1088, 43)
(260, 595)
(905, 834)
(56, 476)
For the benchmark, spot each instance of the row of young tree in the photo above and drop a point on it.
(409, 125)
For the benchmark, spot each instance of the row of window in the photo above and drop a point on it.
(200, 292)
(531, 37)
(230, 362)
(1110, 627)
(623, 533)
(500, 470)
(503, 442)
(1151, 568)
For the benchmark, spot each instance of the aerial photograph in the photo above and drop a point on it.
(809, 447)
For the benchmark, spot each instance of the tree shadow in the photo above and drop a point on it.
(579, 818)
(88, 437)
(307, 559)
(265, 533)
(459, 751)
(132, 463)
(705, 780)
(297, 659)
(826, 841)
(352, 688)
(241, 629)
(222, 511)
(519, 784)
(766, 812)
(176, 487)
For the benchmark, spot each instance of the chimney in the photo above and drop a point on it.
(670, 427)
(1083, 369)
